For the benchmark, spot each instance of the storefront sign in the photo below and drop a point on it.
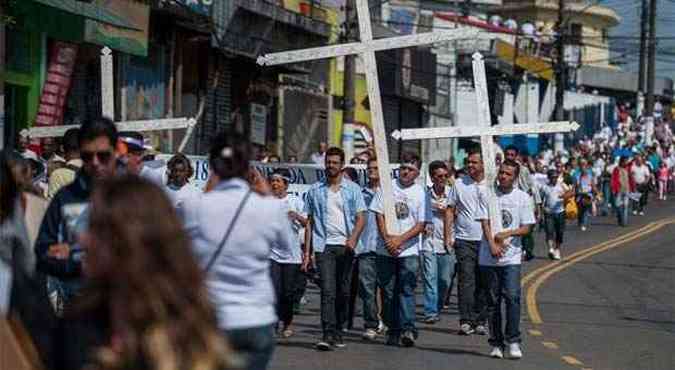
(55, 90)
(258, 124)
(133, 41)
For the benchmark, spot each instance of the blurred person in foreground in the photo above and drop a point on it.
(146, 306)
(233, 229)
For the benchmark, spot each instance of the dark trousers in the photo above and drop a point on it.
(335, 267)
(471, 301)
(502, 284)
(284, 278)
(368, 288)
(643, 189)
(255, 345)
(555, 226)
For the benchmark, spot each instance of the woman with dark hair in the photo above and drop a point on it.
(146, 292)
(233, 229)
(179, 172)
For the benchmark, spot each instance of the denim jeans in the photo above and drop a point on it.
(469, 290)
(256, 345)
(502, 283)
(584, 210)
(438, 270)
(398, 278)
(622, 206)
(368, 288)
(335, 267)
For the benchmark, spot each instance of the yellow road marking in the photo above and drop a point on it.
(586, 368)
(572, 361)
(531, 298)
(535, 333)
(550, 345)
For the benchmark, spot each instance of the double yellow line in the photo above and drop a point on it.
(541, 274)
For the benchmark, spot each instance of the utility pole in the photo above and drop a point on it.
(651, 56)
(349, 83)
(643, 56)
(560, 75)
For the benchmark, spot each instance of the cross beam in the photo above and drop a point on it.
(486, 132)
(146, 125)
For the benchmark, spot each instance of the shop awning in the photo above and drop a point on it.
(91, 11)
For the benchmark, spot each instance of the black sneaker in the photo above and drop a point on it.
(393, 340)
(339, 342)
(408, 339)
(325, 344)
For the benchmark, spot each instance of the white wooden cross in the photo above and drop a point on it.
(108, 109)
(367, 48)
(486, 132)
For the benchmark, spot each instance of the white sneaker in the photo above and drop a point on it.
(370, 334)
(381, 328)
(496, 352)
(583, 228)
(551, 253)
(514, 351)
(642, 213)
(556, 255)
(634, 213)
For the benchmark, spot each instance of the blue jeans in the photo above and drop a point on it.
(256, 345)
(398, 278)
(438, 270)
(368, 288)
(502, 283)
(622, 206)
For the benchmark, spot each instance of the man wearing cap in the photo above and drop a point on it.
(398, 251)
(131, 149)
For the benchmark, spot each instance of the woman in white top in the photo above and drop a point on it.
(286, 259)
(233, 229)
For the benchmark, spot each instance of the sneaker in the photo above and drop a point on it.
(287, 333)
(393, 340)
(583, 228)
(496, 352)
(408, 339)
(432, 319)
(339, 343)
(635, 213)
(556, 255)
(370, 334)
(641, 213)
(324, 344)
(514, 351)
(481, 330)
(304, 301)
(381, 328)
(551, 253)
(465, 329)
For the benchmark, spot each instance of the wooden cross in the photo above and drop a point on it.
(486, 132)
(367, 48)
(108, 109)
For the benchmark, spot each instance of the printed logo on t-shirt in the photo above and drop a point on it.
(507, 219)
(402, 211)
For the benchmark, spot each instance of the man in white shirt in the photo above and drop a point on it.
(500, 258)
(463, 200)
(438, 257)
(641, 176)
(320, 156)
(397, 260)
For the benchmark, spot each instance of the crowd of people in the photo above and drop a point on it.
(117, 261)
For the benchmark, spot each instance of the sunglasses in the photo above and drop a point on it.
(103, 156)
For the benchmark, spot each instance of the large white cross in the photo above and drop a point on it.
(108, 109)
(486, 132)
(367, 48)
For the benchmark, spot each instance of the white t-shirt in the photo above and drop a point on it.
(411, 208)
(293, 254)
(179, 196)
(516, 209)
(464, 197)
(640, 174)
(433, 236)
(551, 196)
(336, 228)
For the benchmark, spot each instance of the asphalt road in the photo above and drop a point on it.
(609, 305)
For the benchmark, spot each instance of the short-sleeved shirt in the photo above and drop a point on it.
(434, 237)
(552, 199)
(640, 174)
(291, 253)
(411, 208)
(517, 210)
(464, 197)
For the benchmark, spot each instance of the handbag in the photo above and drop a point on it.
(228, 232)
(571, 209)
